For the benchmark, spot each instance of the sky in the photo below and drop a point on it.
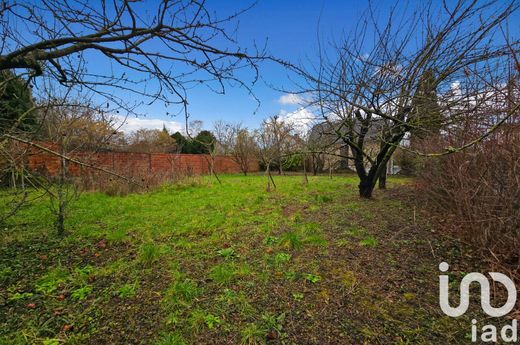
(290, 29)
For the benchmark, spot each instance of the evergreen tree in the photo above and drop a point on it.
(180, 141)
(204, 142)
(427, 119)
(15, 103)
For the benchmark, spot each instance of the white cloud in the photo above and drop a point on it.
(301, 119)
(455, 88)
(131, 124)
(290, 99)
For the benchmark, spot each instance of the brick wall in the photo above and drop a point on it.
(130, 163)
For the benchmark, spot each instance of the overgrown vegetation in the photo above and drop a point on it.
(476, 195)
(208, 263)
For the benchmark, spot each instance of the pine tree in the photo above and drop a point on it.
(427, 119)
(15, 104)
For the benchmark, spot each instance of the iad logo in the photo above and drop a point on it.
(489, 332)
(484, 293)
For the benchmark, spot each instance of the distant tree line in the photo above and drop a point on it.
(202, 143)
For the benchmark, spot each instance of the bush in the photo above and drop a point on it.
(293, 162)
(478, 192)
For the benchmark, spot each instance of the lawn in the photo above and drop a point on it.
(203, 263)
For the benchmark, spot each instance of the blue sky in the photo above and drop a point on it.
(290, 28)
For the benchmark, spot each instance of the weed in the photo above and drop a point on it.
(128, 290)
(174, 338)
(5, 272)
(227, 296)
(173, 319)
(51, 281)
(270, 240)
(369, 241)
(316, 239)
(290, 275)
(199, 318)
(212, 320)
(409, 296)
(149, 253)
(296, 218)
(50, 342)
(273, 322)
(81, 293)
(222, 274)
(19, 296)
(81, 274)
(227, 253)
(183, 291)
(255, 333)
(313, 278)
(342, 243)
(236, 300)
(291, 240)
(281, 258)
(356, 231)
(83, 271)
(252, 334)
(297, 296)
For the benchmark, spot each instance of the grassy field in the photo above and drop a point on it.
(203, 263)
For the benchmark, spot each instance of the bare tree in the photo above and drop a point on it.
(275, 140)
(237, 142)
(266, 143)
(151, 140)
(155, 51)
(68, 131)
(372, 83)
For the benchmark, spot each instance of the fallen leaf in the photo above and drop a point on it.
(272, 335)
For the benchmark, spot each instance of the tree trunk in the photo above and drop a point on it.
(382, 178)
(268, 180)
(61, 198)
(305, 178)
(60, 222)
(366, 187)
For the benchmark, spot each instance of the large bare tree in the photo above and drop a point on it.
(154, 49)
(382, 79)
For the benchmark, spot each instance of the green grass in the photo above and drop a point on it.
(189, 262)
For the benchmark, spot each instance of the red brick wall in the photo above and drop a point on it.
(130, 163)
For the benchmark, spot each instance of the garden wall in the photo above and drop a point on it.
(135, 164)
